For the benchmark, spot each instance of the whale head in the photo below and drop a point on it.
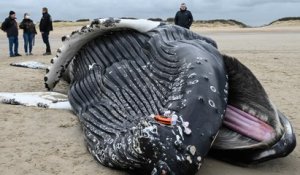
(254, 130)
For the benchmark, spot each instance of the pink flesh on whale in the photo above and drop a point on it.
(247, 125)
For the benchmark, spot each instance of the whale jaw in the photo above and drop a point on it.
(254, 130)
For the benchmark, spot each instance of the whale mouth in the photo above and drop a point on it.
(253, 129)
(248, 125)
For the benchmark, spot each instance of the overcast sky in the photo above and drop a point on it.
(251, 12)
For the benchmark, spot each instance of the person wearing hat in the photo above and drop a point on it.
(10, 26)
(45, 28)
(184, 17)
(28, 33)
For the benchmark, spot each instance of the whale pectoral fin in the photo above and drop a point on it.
(30, 65)
(52, 100)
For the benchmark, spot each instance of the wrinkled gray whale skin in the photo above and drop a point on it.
(137, 76)
(123, 73)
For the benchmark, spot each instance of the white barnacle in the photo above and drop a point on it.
(199, 165)
(189, 159)
(150, 129)
(136, 146)
(192, 82)
(222, 116)
(187, 131)
(192, 75)
(184, 103)
(152, 116)
(199, 58)
(178, 158)
(185, 124)
(188, 92)
(211, 103)
(226, 91)
(167, 113)
(119, 146)
(113, 157)
(92, 66)
(212, 88)
(192, 149)
(180, 132)
(225, 99)
(154, 171)
(189, 65)
(226, 85)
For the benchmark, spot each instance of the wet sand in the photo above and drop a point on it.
(43, 141)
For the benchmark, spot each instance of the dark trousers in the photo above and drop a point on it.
(45, 36)
(28, 37)
(13, 45)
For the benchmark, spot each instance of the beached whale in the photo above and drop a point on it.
(155, 99)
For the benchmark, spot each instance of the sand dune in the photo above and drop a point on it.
(42, 141)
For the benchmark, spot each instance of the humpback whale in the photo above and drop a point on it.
(154, 98)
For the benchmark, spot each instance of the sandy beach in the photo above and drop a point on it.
(46, 142)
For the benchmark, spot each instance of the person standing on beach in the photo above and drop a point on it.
(45, 28)
(184, 17)
(10, 26)
(28, 33)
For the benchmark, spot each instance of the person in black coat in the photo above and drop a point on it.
(184, 17)
(29, 32)
(45, 28)
(10, 26)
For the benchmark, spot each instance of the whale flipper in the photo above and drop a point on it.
(52, 100)
(31, 65)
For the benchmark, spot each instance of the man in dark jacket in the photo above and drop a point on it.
(45, 28)
(10, 26)
(184, 17)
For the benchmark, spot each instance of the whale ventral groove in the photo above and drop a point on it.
(136, 75)
(123, 73)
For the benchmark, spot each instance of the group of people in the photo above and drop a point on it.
(183, 18)
(10, 26)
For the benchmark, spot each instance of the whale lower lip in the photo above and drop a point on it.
(247, 125)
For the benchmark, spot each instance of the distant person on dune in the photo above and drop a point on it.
(10, 26)
(28, 33)
(45, 28)
(184, 17)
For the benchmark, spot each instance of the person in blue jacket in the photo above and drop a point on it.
(29, 32)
